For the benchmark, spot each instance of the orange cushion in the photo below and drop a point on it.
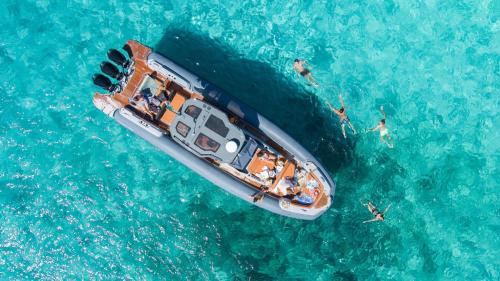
(176, 104)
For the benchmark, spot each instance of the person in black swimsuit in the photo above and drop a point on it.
(299, 67)
(378, 216)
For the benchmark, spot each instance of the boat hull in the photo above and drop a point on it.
(228, 103)
(216, 96)
(163, 142)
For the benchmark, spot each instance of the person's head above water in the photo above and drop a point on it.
(296, 60)
(382, 121)
(380, 216)
(341, 110)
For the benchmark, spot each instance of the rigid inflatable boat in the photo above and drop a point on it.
(212, 133)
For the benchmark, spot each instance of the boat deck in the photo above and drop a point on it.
(257, 168)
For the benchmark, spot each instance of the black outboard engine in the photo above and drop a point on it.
(111, 70)
(127, 49)
(104, 82)
(118, 58)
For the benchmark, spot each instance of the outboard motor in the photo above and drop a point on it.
(118, 58)
(104, 82)
(111, 70)
(127, 49)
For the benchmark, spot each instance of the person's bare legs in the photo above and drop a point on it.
(386, 142)
(370, 207)
(343, 130)
(311, 80)
(352, 128)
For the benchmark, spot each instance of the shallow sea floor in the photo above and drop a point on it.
(82, 198)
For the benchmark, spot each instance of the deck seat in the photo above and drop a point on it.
(176, 105)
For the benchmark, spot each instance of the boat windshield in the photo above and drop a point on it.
(206, 143)
(193, 111)
(182, 129)
(217, 125)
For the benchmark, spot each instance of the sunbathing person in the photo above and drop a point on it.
(280, 163)
(140, 103)
(299, 67)
(267, 175)
(344, 120)
(383, 129)
(266, 155)
(161, 102)
(285, 186)
(378, 216)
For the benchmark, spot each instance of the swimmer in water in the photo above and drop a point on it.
(378, 216)
(299, 67)
(344, 120)
(383, 129)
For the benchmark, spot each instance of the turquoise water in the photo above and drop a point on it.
(81, 198)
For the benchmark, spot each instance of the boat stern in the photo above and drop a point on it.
(106, 104)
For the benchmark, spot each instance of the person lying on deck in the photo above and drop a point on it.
(161, 102)
(266, 155)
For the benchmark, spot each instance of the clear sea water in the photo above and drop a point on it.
(82, 198)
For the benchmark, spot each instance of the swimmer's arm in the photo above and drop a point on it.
(341, 101)
(332, 108)
(387, 209)
(372, 220)
(374, 128)
(383, 112)
(296, 71)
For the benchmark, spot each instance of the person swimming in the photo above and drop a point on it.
(344, 120)
(384, 132)
(378, 216)
(299, 67)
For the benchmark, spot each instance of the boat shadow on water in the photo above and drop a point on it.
(290, 106)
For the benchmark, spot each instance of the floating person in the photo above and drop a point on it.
(378, 216)
(343, 116)
(383, 129)
(299, 67)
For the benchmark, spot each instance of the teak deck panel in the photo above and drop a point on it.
(257, 165)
